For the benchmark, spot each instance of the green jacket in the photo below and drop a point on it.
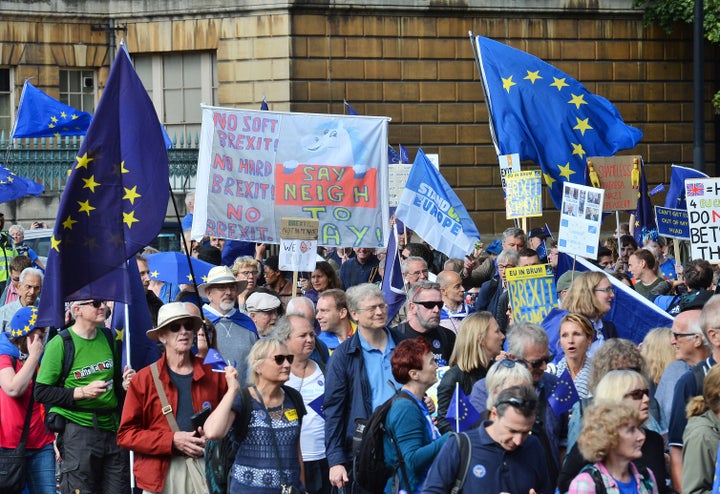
(700, 446)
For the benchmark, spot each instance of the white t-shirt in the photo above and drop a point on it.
(312, 435)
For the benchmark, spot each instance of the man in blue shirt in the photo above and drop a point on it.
(504, 457)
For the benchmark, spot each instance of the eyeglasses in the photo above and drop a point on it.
(175, 327)
(418, 273)
(505, 266)
(518, 403)
(431, 304)
(510, 363)
(637, 394)
(373, 308)
(247, 273)
(536, 364)
(279, 359)
(95, 303)
(608, 289)
(680, 335)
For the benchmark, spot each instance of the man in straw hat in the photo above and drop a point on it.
(236, 332)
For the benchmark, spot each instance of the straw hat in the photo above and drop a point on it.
(169, 313)
(219, 275)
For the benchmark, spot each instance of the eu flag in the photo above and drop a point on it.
(460, 412)
(564, 396)
(393, 156)
(40, 115)
(547, 116)
(404, 154)
(14, 186)
(215, 360)
(392, 282)
(675, 197)
(264, 105)
(115, 199)
(645, 212)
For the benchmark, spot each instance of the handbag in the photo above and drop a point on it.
(196, 470)
(13, 464)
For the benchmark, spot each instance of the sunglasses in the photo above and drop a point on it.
(536, 364)
(680, 335)
(95, 303)
(637, 394)
(518, 403)
(175, 327)
(279, 359)
(510, 363)
(431, 304)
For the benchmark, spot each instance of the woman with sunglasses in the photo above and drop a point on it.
(478, 342)
(169, 450)
(630, 388)
(268, 457)
(701, 437)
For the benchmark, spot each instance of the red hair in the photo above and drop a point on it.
(408, 355)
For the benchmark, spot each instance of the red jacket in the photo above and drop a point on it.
(145, 430)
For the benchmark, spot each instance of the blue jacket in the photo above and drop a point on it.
(347, 397)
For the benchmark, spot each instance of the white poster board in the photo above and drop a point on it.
(509, 163)
(580, 220)
(703, 206)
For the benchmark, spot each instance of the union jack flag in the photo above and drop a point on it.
(695, 189)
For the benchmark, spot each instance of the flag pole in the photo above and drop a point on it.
(457, 407)
(182, 239)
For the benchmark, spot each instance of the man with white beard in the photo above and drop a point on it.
(236, 333)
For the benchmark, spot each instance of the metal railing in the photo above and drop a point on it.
(47, 160)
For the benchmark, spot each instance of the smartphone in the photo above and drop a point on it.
(198, 420)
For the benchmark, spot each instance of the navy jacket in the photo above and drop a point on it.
(347, 397)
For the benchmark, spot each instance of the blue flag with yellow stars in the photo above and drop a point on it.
(461, 414)
(645, 223)
(564, 396)
(547, 116)
(14, 186)
(40, 115)
(115, 199)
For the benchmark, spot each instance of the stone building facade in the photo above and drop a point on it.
(411, 60)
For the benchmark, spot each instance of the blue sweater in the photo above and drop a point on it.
(408, 425)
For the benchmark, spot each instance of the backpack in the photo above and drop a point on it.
(370, 471)
(465, 456)
(220, 454)
(646, 479)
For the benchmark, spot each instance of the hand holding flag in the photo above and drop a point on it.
(461, 412)
(215, 360)
(564, 396)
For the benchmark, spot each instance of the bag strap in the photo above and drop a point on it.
(465, 457)
(166, 407)
(283, 480)
(26, 426)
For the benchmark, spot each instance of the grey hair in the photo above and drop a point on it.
(189, 197)
(422, 285)
(508, 255)
(523, 335)
(16, 228)
(513, 232)
(31, 271)
(283, 326)
(293, 309)
(404, 266)
(710, 315)
(356, 294)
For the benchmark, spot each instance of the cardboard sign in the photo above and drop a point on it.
(532, 292)
(509, 163)
(672, 223)
(397, 178)
(523, 197)
(615, 174)
(580, 220)
(298, 244)
(703, 207)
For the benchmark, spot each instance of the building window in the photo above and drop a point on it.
(6, 103)
(177, 83)
(77, 89)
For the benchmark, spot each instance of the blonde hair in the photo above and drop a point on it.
(244, 262)
(657, 352)
(615, 353)
(579, 320)
(617, 383)
(601, 423)
(468, 353)
(710, 399)
(259, 352)
(580, 297)
(501, 376)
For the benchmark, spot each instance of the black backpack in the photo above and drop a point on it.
(220, 454)
(370, 471)
(600, 485)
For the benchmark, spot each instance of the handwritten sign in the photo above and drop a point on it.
(298, 244)
(615, 174)
(255, 167)
(397, 178)
(580, 219)
(509, 163)
(523, 195)
(703, 207)
(672, 223)
(532, 292)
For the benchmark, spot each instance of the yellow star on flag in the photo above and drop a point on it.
(189, 277)
(204, 278)
(129, 219)
(82, 161)
(54, 119)
(74, 117)
(549, 180)
(68, 223)
(508, 83)
(155, 274)
(533, 76)
(119, 334)
(90, 183)
(559, 83)
(578, 149)
(55, 243)
(565, 170)
(85, 207)
(131, 194)
(63, 114)
(577, 100)
(582, 125)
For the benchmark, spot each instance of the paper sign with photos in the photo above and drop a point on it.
(580, 220)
